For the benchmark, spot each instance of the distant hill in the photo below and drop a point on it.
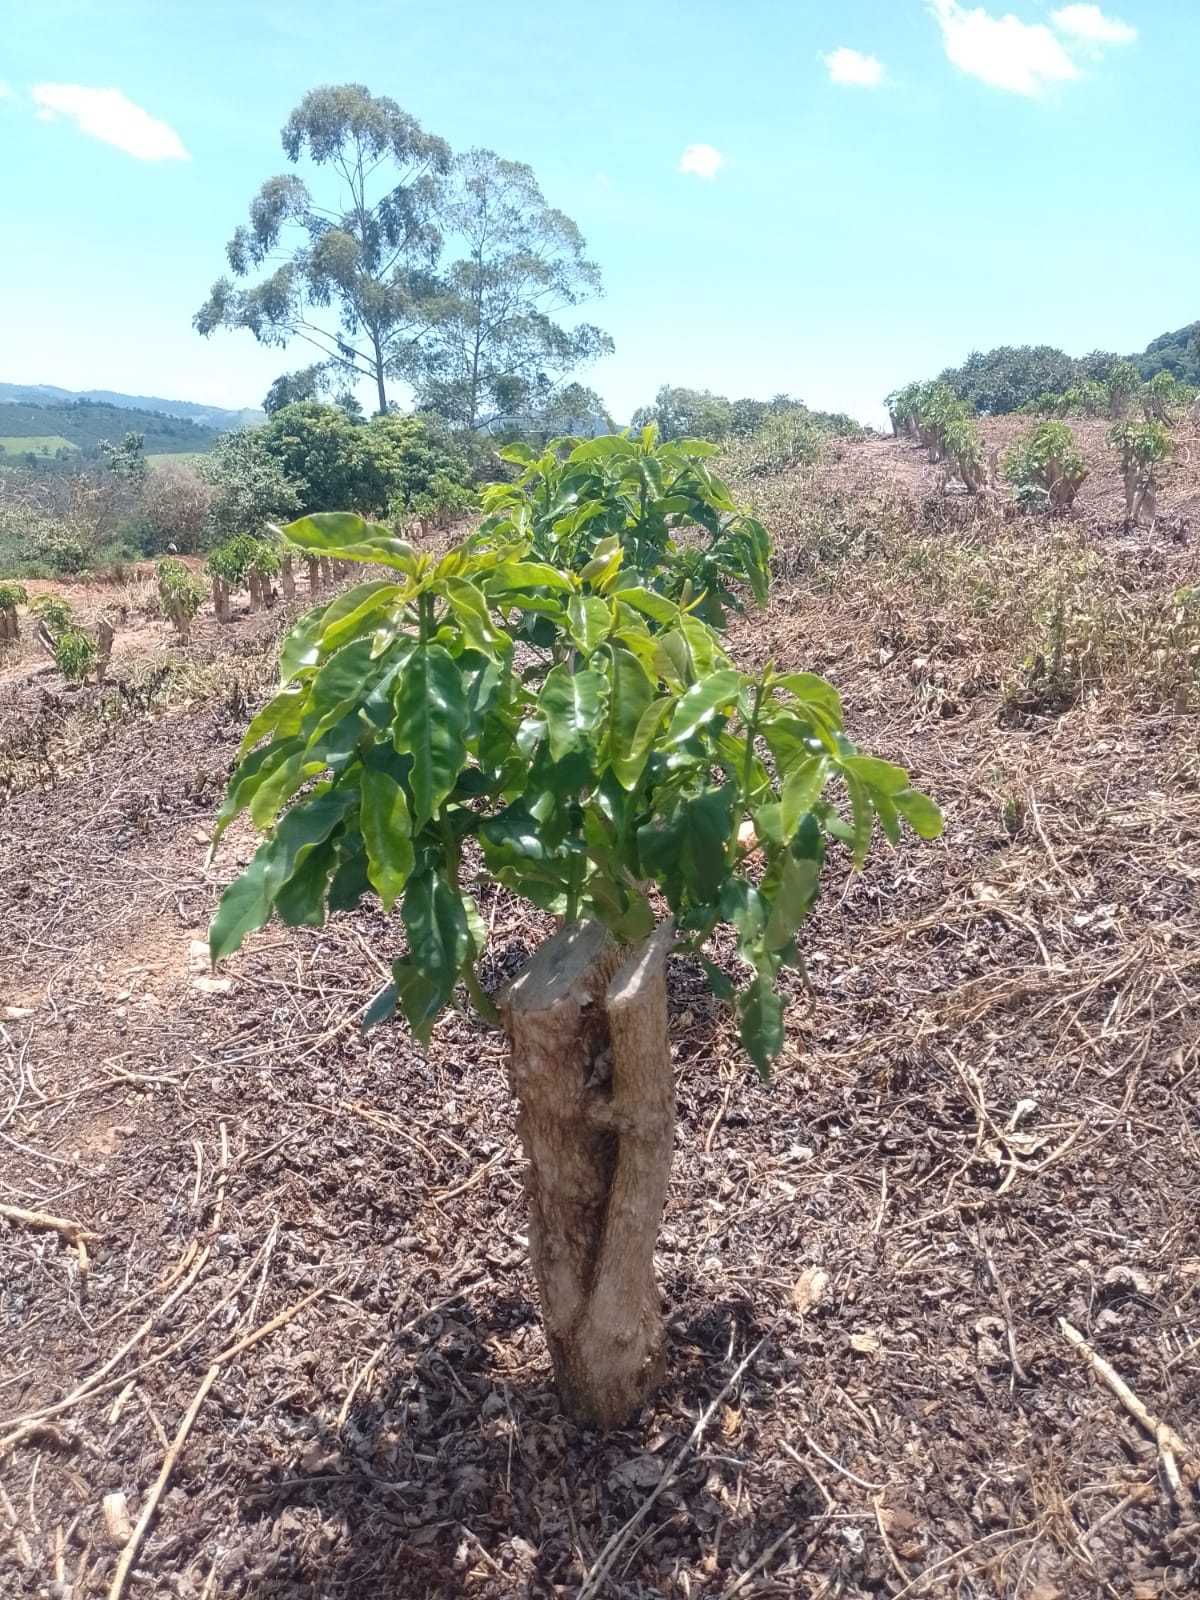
(48, 428)
(1178, 352)
(217, 418)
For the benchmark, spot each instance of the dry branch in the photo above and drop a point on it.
(73, 1232)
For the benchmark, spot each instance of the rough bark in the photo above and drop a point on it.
(590, 1065)
(287, 578)
(255, 585)
(327, 577)
(220, 595)
(313, 564)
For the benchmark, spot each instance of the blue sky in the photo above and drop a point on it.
(824, 199)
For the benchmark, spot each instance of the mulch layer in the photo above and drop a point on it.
(306, 1259)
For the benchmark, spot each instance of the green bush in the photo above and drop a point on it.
(53, 611)
(1046, 468)
(75, 654)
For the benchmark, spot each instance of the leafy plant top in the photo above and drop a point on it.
(12, 595)
(55, 613)
(181, 592)
(568, 730)
(74, 654)
(651, 499)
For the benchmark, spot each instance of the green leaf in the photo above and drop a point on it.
(922, 815)
(471, 610)
(630, 694)
(745, 908)
(862, 819)
(702, 702)
(525, 575)
(588, 621)
(815, 693)
(249, 900)
(281, 716)
(439, 938)
(707, 826)
(762, 1022)
(301, 901)
(342, 621)
(573, 706)
(275, 792)
(387, 834)
(302, 647)
(349, 537)
(801, 788)
(630, 766)
(431, 722)
(876, 774)
(249, 778)
(799, 881)
(655, 606)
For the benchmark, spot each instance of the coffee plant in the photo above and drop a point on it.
(1142, 448)
(617, 751)
(53, 612)
(1046, 468)
(12, 595)
(75, 654)
(180, 593)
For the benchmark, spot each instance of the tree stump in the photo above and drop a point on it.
(313, 564)
(287, 578)
(590, 1066)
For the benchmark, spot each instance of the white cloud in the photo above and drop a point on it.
(852, 67)
(5, 90)
(1091, 25)
(110, 116)
(701, 160)
(1022, 57)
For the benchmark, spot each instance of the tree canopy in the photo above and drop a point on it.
(350, 255)
(498, 348)
(367, 251)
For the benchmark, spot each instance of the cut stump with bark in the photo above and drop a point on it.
(590, 1066)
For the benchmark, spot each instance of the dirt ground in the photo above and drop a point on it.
(305, 1251)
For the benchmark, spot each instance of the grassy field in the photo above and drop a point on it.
(42, 444)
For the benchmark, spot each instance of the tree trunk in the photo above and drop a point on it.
(220, 595)
(287, 578)
(313, 564)
(254, 584)
(590, 1065)
(327, 579)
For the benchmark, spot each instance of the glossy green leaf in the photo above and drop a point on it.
(588, 621)
(919, 811)
(761, 1011)
(876, 774)
(573, 705)
(387, 834)
(348, 537)
(631, 693)
(702, 702)
(249, 900)
(801, 788)
(794, 894)
(430, 725)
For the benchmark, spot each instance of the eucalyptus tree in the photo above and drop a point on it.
(501, 347)
(359, 243)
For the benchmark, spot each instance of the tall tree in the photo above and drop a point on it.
(498, 350)
(366, 251)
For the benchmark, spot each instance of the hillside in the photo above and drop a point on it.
(46, 428)
(218, 418)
